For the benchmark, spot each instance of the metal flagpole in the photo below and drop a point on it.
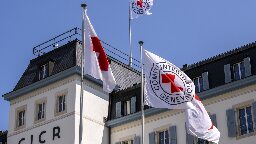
(82, 77)
(142, 90)
(130, 34)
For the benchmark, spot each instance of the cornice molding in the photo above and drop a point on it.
(50, 80)
(42, 90)
(228, 87)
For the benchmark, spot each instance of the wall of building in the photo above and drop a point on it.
(65, 122)
(216, 105)
(95, 111)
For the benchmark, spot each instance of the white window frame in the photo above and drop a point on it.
(43, 71)
(18, 110)
(43, 102)
(61, 106)
(158, 135)
(64, 94)
(240, 106)
(126, 107)
(239, 70)
(130, 141)
(239, 129)
(198, 84)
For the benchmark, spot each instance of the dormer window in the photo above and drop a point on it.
(201, 82)
(126, 107)
(198, 81)
(44, 71)
(239, 71)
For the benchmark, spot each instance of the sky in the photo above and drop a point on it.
(181, 31)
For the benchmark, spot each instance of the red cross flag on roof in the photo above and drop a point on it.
(96, 61)
(166, 86)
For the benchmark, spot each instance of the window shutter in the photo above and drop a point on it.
(57, 104)
(190, 138)
(137, 140)
(254, 113)
(227, 73)
(205, 81)
(214, 120)
(133, 104)
(51, 65)
(152, 138)
(173, 135)
(118, 109)
(247, 66)
(231, 122)
(118, 143)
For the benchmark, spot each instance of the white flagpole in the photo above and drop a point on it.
(82, 77)
(142, 90)
(130, 34)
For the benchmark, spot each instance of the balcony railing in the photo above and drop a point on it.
(76, 33)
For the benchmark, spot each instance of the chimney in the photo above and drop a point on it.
(185, 66)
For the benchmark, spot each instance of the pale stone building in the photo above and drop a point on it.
(44, 105)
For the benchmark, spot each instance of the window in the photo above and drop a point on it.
(43, 71)
(241, 119)
(126, 107)
(245, 120)
(201, 141)
(40, 110)
(238, 71)
(60, 104)
(163, 137)
(20, 117)
(198, 81)
(127, 142)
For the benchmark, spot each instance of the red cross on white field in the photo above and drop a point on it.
(169, 78)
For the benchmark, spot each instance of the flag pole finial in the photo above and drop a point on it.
(141, 43)
(84, 5)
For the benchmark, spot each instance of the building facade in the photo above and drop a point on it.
(227, 85)
(45, 103)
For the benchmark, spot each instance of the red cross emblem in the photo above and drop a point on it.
(169, 78)
(102, 58)
(139, 3)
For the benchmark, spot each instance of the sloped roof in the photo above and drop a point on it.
(67, 56)
(222, 55)
(63, 57)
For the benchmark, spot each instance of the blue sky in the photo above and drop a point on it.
(182, 31)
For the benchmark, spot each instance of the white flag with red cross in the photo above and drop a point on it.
(166, 86)
(96, 61)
